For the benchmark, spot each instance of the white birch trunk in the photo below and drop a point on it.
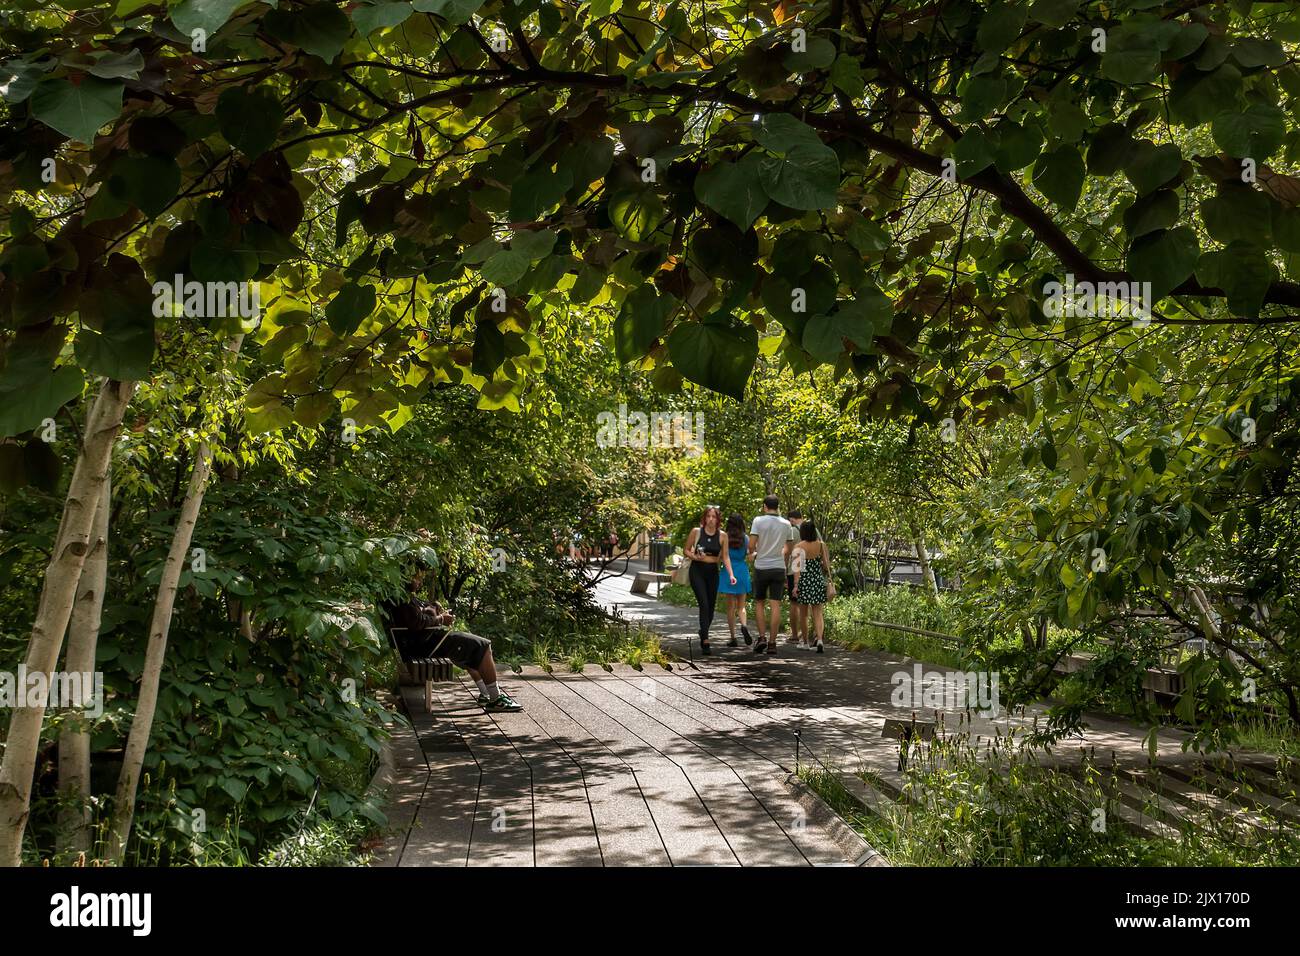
(71, 544)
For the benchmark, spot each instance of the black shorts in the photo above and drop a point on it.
(461, 647)
(769, 584)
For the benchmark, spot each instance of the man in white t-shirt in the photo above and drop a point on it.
(769, 534)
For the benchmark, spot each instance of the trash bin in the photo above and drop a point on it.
(659, 551)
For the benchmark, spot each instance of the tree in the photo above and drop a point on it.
(887, 190)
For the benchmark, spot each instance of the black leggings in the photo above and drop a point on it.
(704, 582)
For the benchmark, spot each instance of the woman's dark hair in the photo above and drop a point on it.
(704, 518)
(736, 530)
(808, 531)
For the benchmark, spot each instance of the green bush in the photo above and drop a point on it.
(848, 622)
(966, 807)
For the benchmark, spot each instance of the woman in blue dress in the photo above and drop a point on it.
(738, 548)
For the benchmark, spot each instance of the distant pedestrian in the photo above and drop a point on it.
(769, 534)
(736, 587)
(704, 548)
(811, 563)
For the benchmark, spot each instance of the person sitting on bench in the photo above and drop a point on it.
(420, 629)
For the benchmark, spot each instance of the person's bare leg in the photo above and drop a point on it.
(819, 620)
(731, 616)
(775, 612)
(487, 668)
(760, 612)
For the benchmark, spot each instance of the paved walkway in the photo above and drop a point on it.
(681, 766)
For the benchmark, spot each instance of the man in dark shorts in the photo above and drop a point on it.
(420, 629)
(768, 534)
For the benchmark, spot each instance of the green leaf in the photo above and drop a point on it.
(320, 29)
(1238, 212)
(1286, 227)
(820, 53)
(122, 351)
(1254, 133)
(19, 77)
(807, 177)
(206, 15)
(453, 11)
(1165, 259)
(1242, 271)
(147, 182)
(118, 66)
(972, 153)
(586, 161)
(1153, 166)
(350, 305)
(538, 193)
(1158, 210)
(77, 110)
(852, 326)
(781, 133)
(1111, 149)
(982, 96)
(1059, 176)
(249, 120)
(1252, 52)
(1132, 57)
(236, 788)
(733, 190)
(1053, 13)
(489, 349)
(24, 409)
(1016, 146)
(636, 213)
(640, 322)
(1195, 98)
(370, 17)
(533, 244)
(1000, 27)
(717, 356)
(217, 260)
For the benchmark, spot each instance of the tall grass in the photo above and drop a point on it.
(997, 803)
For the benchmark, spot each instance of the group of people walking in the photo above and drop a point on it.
(787, 552)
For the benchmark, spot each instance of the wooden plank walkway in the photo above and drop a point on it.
(690, 766)
(615, 768)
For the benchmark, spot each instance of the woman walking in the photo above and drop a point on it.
(737, 588)
(811, 565)
(704, 546)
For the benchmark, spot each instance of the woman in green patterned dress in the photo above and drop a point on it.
(811, 564)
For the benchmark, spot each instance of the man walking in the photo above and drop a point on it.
(769, 534)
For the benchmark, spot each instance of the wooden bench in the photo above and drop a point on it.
(422, 670)
(641, 583)
(905, 731)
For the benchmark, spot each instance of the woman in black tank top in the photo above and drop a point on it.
(704, 547)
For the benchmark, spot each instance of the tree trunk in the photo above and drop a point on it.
(71, 544)
(927, 572)
(83, 638)
(137, 743)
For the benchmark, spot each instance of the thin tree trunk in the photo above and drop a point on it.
(927, 572)
(83, 638)
(71, 544)
(137, 742)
